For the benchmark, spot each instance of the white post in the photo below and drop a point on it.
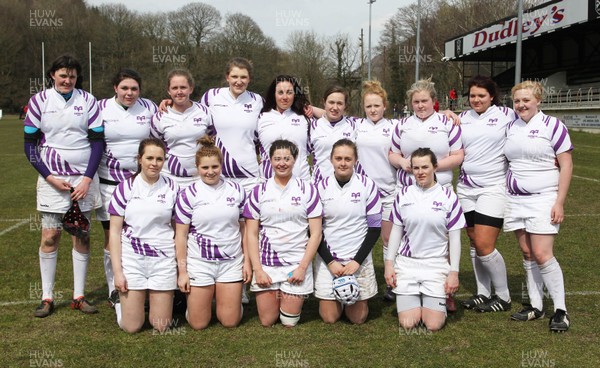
(418, 40)
(519, 53)
(43, 70)
(90, 60)
(370, 57)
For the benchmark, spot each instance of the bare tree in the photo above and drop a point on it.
(194, 24)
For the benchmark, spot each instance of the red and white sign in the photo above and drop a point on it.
(536, 21)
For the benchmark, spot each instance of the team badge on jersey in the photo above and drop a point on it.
(355, 197)
(78, 110)
(296, 201)
(437, 206)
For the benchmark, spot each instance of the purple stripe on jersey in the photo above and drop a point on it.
(268, 256)
(317, 174)
(148, 251)
(373, 202)
(512, 185)
(561, 139)
(404, 178)
(315, 200)
(94, 117)
(374, 220)
(231, 168)
(454, 134)
(37, 111)
(266, 163)
(359, 169)
(395, 215)
(405, 251)
(175, 167)
(456, 218)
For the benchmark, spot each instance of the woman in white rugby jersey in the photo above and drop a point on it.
(180, 127)
(481, 189)
(423, 256)
(142, 248)
(283, 117)
(280, 214)
(64, 143)
(426, 128)
(126, 119)
(540, 166)
(332, 126)
(351, 227)
(208, 237)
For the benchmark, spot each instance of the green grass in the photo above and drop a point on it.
(69, 338)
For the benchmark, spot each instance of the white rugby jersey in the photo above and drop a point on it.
(426, 216)
(64, 146)
(345, 212)
(235, 122)
(283, 214)
(273, 125)
(483, 137)
(373, 142)
(123, 131)
(322, 137)
(147, 211)
(531, 149)
(213, 214)
(180, 132)
(437, 133)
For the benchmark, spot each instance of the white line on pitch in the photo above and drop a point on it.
(12, 220)
(584, 215)
(584, 178)
(18, 224)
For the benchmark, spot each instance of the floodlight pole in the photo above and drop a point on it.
(43, 69)
(418, 40)
(519, 53)
(369, 61)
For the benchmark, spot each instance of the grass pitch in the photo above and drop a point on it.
(69, 338)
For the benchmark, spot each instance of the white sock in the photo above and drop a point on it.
(80, 263)
(119, 314)
(482, 278)
(108, 272)
(553, 279)
(493, 265)
(535, 284)
(385, 248)
(48, 272)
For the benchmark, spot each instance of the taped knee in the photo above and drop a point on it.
(288, 319)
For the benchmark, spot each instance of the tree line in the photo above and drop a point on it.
(199, 38)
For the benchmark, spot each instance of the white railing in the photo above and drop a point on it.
(572, 98)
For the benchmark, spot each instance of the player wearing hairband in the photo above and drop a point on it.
(481, 189)
(283, 117)
(210, 254)
(64, 143)
(351, 227)
(423, 256)
(142, 248)
(180, 127)
(280, 214)
(126, 119)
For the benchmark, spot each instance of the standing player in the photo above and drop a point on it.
(351, 226)
(142, 248)
(425, 236)
(181, 127)
(374, 141)
(283, 117)
(426, 128)
(482, 191)
(328, 129)
(64, 143)
(126, 119)
(235, 113)
(210, 254)
(540, 166)
(280, 214)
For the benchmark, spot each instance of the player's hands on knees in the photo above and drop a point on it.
(262, 279)
(557, 213)
(183, 282)
(164, 104)
(81, 189)
(451, 285)
(351, 267)
(297, 276)
(58, 184)
(247, 272)
(336, 268)
(390, 275)
(121, 283)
